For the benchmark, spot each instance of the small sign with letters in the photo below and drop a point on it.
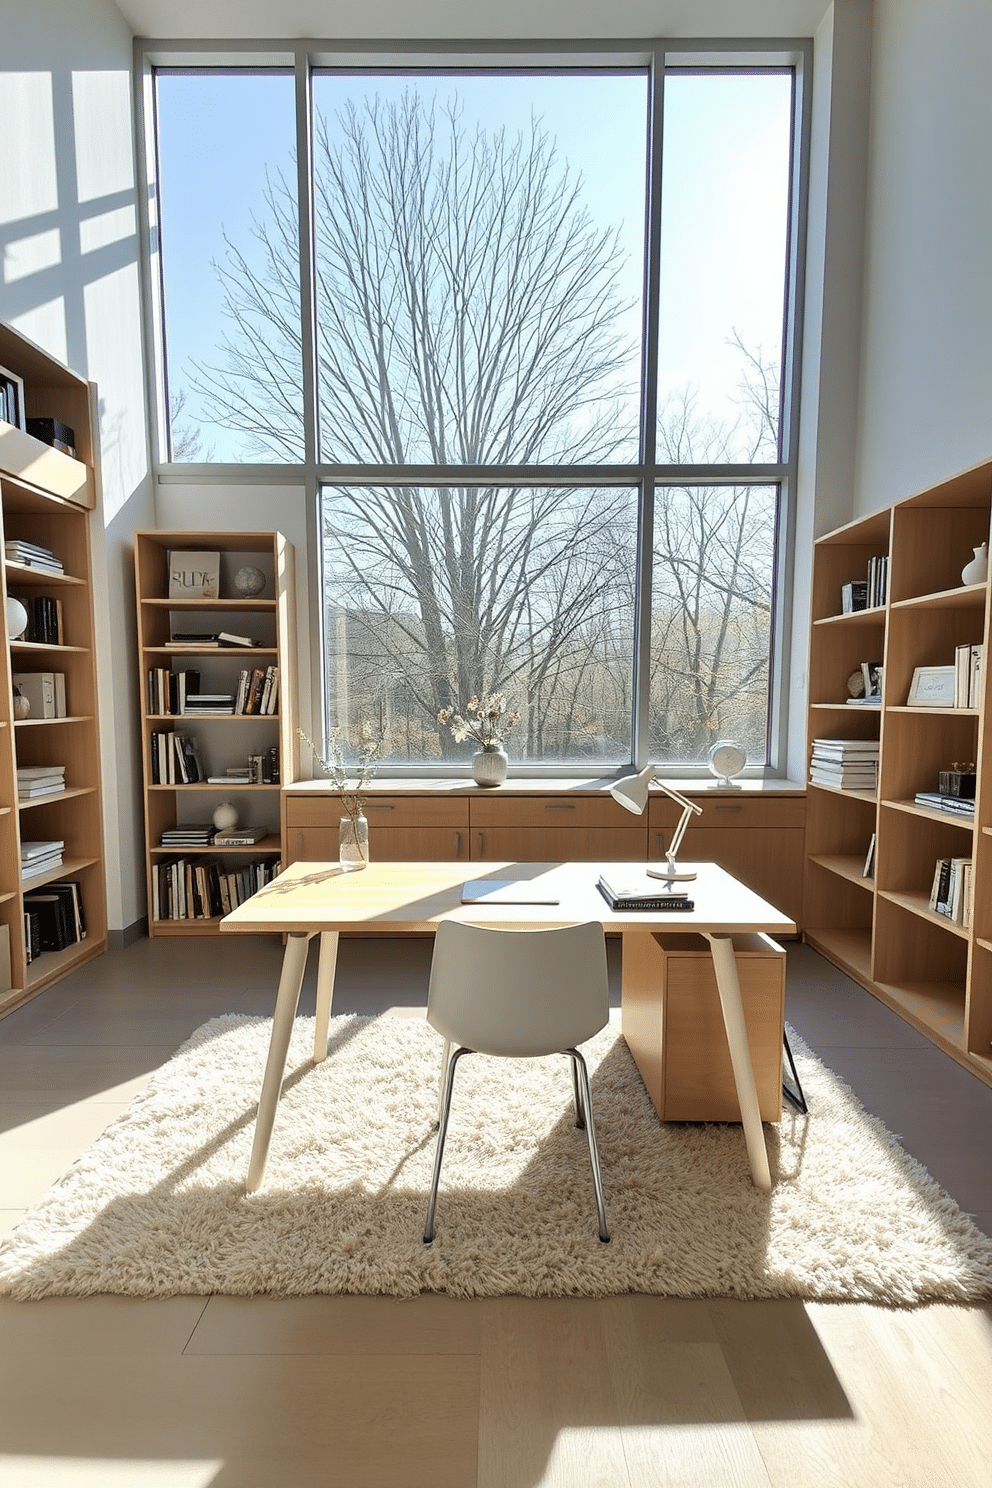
(194, 575)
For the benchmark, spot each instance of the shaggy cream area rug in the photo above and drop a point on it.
(157, 1206)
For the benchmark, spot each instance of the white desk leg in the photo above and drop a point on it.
(287, 1000)
(729, 988)
(327, 961)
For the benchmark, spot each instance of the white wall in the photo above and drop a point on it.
(70, 281)
(926, 388)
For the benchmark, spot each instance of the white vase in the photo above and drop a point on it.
(977, 571)
(353, 843)
(489, 765)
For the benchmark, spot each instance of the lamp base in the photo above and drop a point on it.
(672, 872)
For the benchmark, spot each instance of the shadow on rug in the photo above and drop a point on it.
(157, 1206)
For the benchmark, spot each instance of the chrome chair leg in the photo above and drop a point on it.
(580, 1117)
(442, 1130)
(582, 1078)
(445, 1059)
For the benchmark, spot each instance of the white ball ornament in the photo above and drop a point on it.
(17, 618)
(225, 817)
(249, 581)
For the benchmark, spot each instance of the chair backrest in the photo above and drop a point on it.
(518, 993)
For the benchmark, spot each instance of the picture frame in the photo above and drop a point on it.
(12, 399)
(932, 687)
(194, 575)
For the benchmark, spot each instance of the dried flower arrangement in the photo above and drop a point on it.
(488, 724)
(352, 800)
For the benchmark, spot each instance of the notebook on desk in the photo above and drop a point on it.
(507, 891)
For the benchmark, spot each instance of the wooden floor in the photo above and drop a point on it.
(506, 1393)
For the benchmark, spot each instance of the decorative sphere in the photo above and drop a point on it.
(249, 581)
(225, 817)
(17, 618)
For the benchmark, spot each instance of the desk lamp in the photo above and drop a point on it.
(632, 793)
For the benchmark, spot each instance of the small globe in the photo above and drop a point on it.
(249, 582)
(17, 618)
(225, 817)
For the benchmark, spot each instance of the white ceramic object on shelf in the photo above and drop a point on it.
(225, 817)
(22, 704)
(17, 618)
(249, 582)
(977, 571)
(489, 766)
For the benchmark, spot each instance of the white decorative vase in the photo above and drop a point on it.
(489, 765)
(225, 817)
(22, 705)
(353, 843)
(977, 571)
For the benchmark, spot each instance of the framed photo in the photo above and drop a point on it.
(932, 687)
(12, 398)
(194, 575)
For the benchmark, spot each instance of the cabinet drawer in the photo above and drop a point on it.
(718, 811)
(554, 811)
(381, 810)
(558, 844)
(386, 844)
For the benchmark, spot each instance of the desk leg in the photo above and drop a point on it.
(326, 962)
(287, 1000)
(729, 988)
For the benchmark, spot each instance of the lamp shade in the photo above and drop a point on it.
(632, 790)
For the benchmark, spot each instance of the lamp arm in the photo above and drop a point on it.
(689, 809)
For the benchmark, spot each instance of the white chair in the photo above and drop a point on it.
(518, 994)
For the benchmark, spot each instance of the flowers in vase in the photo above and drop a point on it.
(352, 800)
(488, 721)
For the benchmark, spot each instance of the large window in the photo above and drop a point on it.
(533, 353)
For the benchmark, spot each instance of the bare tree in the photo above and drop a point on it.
(469, 314)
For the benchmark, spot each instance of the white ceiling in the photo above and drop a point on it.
(457, 19)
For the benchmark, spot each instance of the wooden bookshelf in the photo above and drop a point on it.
(49, 498)
(224, 739)
(882, 931)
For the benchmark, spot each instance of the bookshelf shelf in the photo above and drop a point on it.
(270, 621)
(935, 972)
(49, 503)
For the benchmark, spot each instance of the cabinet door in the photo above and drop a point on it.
(768, 859)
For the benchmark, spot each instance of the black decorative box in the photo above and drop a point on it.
(958, 783)
(54, 432)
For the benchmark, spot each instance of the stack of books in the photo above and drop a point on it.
(208, 702)
(167, 690)
(258, 690)
(40, 857)
(32, 555)
(39, 780)
(847, 764)
(950, 893)
(193, 834)
(186, 890)
(175, 759)
(954, 805)
(44, 626)
(967, 675)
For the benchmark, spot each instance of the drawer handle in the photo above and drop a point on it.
(728, 808)
(458, 844)
(559, 805)
(480, 842)
(378, 806)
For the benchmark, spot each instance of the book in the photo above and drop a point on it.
(869, 868)
(226, 638)
(853, 597)
(635, 894)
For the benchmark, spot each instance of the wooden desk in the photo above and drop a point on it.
(412, 898)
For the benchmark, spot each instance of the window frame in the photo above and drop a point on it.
(657, 56)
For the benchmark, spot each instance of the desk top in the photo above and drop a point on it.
(411, 898)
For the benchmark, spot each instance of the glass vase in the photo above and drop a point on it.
(353, 843)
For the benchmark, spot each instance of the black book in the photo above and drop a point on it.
(628, 897)
(53, 932)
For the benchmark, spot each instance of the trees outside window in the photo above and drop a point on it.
(478, 358)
